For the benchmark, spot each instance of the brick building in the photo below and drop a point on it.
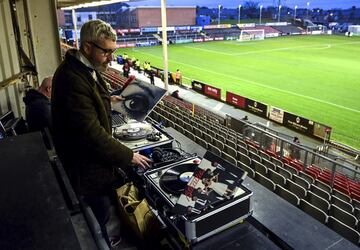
(151, 17)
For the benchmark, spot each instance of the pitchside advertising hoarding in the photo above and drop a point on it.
(235, 100)
(198, 86)
(298, 123)
(212, 92)
(276, 114)
(257, 108)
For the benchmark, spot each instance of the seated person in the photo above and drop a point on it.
(176, 95)
(38, 106)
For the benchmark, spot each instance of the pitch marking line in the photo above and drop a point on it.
(256, 83)
(314, 46)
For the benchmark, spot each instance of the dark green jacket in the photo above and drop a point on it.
(82, 128)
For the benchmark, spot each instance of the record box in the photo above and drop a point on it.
(199, 197)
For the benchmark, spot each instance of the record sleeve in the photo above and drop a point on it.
(139, 100)
(214, 182)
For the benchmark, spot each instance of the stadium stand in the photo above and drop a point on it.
(309, 187)
(288, 30)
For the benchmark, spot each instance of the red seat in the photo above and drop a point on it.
(311, 172)
(355, 196)
(297, 165)
(341, 189)
(324, 179)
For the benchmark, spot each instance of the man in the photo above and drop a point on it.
(81, 113)
(176, 95)
(178, 77)
(38, 106)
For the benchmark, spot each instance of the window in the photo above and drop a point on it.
(79, 18)
(90, 17)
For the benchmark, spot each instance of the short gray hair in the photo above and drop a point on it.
(96, 30)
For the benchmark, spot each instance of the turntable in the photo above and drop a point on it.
(187, 204)
(141, 135)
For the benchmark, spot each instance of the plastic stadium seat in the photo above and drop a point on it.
(287, 174)
(264, 155)
(318, 201)
(315, 169)
(254, 156)
(269, 164)
(340, 188)
(228, 158)
(291, 169)
(287, 195)
(259, 167)
(253, 149)
(214, 149)
(356, 203)
(230, 143)
(244, 158)
(344, 230)
(312, 173)
(296, 165)
(272, 153)
(301, 181)
(296, 189)
(346, 206)
(323, 185)
(341, 195)
(307, 177)
(356, 213)
(243, 150)
(324, 179)
(343, 216)
(201, 142)
(276, 177)
(277, 162)
(231, 151)
(251, 172)
(313, 211)
(320, 192)
(266, 182)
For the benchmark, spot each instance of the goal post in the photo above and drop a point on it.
(248, 35)
(354, 29)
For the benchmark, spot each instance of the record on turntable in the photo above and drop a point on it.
(133, 130)
(174, 180)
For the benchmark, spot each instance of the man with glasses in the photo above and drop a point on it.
(81, 112)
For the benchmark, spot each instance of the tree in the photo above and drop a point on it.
(251, 8)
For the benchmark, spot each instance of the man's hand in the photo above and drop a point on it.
(116, 98)
(141, 160)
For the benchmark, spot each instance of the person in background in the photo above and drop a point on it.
(126, 58)
(178, 77)
(176, 95)
(126, 70)
(81, 112)
(137, 65)
(295, 150)
(38, 106)
(151, 76)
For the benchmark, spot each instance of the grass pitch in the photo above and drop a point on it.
(317, 77)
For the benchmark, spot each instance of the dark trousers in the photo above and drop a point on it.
(100, 206)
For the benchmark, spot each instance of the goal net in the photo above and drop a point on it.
(248, 35)
(354, 29)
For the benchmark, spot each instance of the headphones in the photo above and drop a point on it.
(155, 136)
(165, 155)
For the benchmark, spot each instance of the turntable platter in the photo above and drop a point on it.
(133, 131)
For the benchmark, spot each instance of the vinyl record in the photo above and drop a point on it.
(175, 179)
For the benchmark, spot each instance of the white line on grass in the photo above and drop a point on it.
(256, 83)
(314, 46)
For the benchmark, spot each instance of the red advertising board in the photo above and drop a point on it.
(213, 92)
(235, 100)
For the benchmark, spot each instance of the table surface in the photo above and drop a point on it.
(285, 221)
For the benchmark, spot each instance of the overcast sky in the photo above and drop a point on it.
(325, 4)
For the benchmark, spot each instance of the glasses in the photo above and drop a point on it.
(106, 52)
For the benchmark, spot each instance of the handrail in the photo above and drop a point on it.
(14, 79)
